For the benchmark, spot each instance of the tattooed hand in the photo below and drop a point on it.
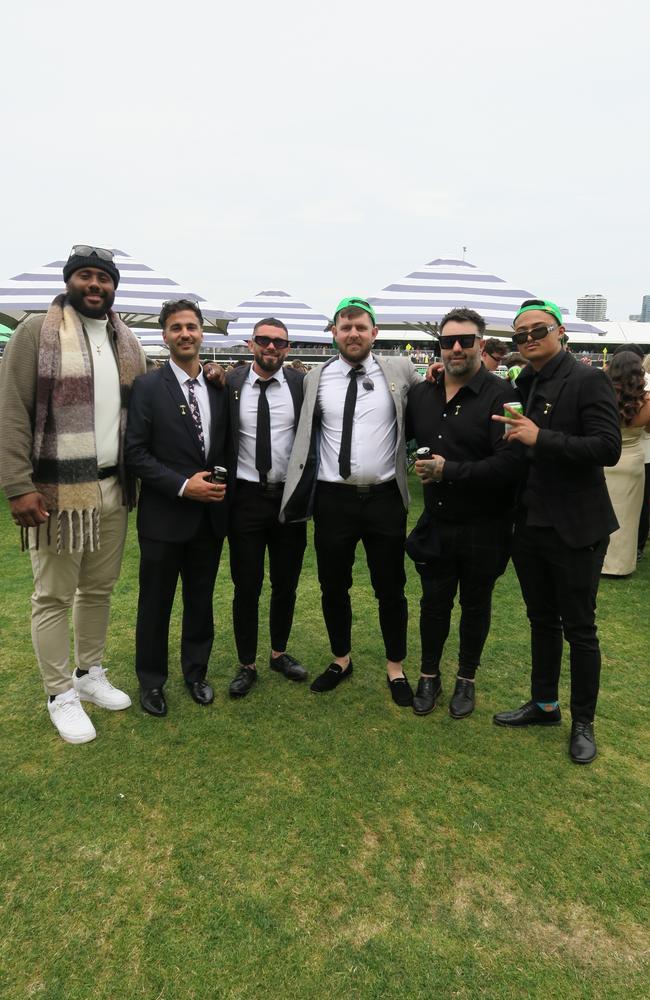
(430, 469)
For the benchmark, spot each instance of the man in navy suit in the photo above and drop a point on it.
(176, 434)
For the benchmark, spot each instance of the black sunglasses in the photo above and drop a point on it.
(537, 333)
(278, 342)
(79, 250)
(464, 339)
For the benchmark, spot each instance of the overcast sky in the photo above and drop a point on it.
(330, 149)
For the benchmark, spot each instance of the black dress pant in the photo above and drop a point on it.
(559, 586)
(161, 563)
(254, 528)
(472, 557)
(375, 516)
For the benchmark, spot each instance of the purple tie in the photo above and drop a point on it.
(194, 410)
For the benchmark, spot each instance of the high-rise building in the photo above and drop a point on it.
(592, 308)
(645, 309)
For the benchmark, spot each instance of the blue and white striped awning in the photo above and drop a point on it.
(305, 325)
(139, 297)
(424, 296)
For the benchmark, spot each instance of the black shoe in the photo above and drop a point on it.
(153, 701)
(201, 692)
(463, 699)
(428, 691)
(242, 682)
(401, 691)
(286, 665)
(529, 714)
(331, 678)
(582, 745)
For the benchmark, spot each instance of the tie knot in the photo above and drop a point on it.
(264, 383)
(357, 371)
(192, 382)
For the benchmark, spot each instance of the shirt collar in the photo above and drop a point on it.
(183, 376)
(475, 383)
(253, 376)
(546, 371)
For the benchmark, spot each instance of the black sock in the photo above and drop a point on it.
(81, 673)
(52, 697)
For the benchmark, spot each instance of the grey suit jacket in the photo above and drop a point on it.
(302, 474)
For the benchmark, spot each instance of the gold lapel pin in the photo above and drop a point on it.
(183, 409)
(547, 407)
(457, 410)
(392, 387)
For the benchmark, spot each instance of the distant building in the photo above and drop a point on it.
(592, 308)
(635, 317)
(645, 310)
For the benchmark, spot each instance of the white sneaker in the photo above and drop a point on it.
(68, 715)
(95, 687)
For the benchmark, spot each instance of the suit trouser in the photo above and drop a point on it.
(559, 586)
(254, 528)
(196, 561)
(81, 581)
(343, 516)
(472, 557)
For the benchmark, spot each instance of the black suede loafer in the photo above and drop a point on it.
(288, 666)
(401, 691)
(242, 682)
(529, 714)
(331, 678)
(582, 745)
(463, 699)
(153, 701)
(201, 692)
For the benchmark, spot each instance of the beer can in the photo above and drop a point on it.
(422, 453)
(219, 474)
(517, 407)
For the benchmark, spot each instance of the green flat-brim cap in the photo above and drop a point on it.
(355, 303)
(542, 305)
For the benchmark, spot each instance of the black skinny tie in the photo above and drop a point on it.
(263, 437)
(345, 452)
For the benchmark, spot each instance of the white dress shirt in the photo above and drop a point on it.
(374, 428)
(203, 400)
(282, 416)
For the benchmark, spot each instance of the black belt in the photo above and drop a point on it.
(110, 470)
(360, 490)
(274, 488)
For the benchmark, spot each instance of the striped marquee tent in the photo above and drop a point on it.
(420, 300)
(138, 299)
(305, 325)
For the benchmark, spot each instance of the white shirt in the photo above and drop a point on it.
(282, 416)
(374, 428)
(203, 400)
(106, 392)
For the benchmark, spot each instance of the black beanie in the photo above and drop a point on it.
(75, 262)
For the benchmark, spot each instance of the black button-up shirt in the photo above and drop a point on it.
(481, 467)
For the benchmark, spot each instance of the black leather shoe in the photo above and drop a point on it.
(286, 665)
(463, 699)
(242, 682)
(201, 692)
(428, 691)
(582, 746)
(153, 701)
(529, 714)
(401, 691)
(331, 677)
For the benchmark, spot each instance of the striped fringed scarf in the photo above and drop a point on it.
(64, 452)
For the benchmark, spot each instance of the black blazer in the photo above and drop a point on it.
(576, 410)
(162, 448)
(235, 380)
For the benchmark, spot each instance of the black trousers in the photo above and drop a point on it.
(343, 516)
(472, 558)
(161, 563)
(559, 586)
(644, 519)
(254, 529)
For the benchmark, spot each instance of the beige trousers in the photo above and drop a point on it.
(83, 582)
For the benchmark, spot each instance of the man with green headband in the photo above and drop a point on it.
(564, 518)
(348, 466)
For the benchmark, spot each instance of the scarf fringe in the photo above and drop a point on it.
(76, 530)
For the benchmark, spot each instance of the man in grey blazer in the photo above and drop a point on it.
(348, 468)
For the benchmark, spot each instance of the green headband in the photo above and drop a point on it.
(542, 305)
(355, 303)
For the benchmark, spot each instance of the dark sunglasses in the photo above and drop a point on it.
(465, 340)
(79, 250)
(536, 332)
(278, 342)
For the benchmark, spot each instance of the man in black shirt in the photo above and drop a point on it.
(463, 538)
(571, 430)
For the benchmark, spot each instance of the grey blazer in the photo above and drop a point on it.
(302, 474)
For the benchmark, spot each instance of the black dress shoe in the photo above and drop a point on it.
(428, 691)
(529, 714)
(153, 701)
(201, 692)
(331, 677)
(286, 665)
(242, 682)
(463, 699)
(401, 691)
(582, 746)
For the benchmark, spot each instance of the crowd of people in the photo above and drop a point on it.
(510, 468)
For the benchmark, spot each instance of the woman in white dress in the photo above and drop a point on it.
(625, 480)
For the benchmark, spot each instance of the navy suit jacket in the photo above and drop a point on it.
(162, 448)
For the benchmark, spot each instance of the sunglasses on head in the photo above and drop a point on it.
(278, 342)
(465, 340)
(79, 250)
(536, 332)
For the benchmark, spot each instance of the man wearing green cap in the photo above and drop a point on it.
(564, 518)
(348, 467)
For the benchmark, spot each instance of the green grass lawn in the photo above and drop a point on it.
(290, 845)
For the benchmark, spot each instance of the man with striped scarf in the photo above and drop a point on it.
(65, 381)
